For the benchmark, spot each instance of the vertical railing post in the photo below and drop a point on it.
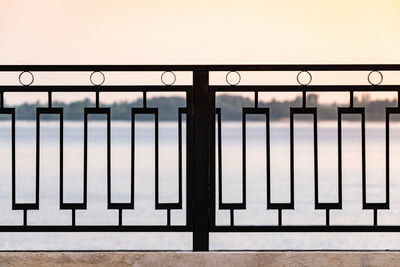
(201, 138)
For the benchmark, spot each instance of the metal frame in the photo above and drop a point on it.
(201, 111)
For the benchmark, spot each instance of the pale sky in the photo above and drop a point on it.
(199, 32)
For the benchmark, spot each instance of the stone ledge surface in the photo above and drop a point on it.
(218, 259)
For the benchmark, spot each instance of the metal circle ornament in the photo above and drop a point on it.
(26, 74)
(380, 75)
(172, 78)
(302, 73)
(101, 78)
(238, 78)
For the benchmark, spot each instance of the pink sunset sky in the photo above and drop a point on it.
(199, 32)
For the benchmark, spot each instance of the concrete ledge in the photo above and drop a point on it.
(218, 259)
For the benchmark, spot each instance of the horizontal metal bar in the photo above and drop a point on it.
(328, 206)
(94, 228)
(72, 206)
(301, 88)
(92, 88)
(93, 111)
(280, 206)
(232, 206)
(305, 111)
(352, 110)
(185, 88)
(307, 228)
(245, 67)
(56, 111)
(7, 111)
(26, 206)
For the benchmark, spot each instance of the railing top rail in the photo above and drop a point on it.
(245, 67)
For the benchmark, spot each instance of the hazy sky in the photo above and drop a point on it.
(199, 32)
(161, 32)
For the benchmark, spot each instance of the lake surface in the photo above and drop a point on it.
(144, 213)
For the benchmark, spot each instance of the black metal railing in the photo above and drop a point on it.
(202, 155)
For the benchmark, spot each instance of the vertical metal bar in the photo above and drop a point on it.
(1, 99)
(291, 158)
(61, 158)
(244, 160)
(268, 159)
(109, 162)
(37, 156)
(144, 99)
(49, 99)
(212, 193)
(132, 157)
(180, 156)
(13, 172)
(156, 163)
(218, 112)
(85, 152)
(340, 158)
(168, 217)
(387, 155)
(351, 98)
(280, 217)
(327, 217)
(316, 186)
(201, 123)
(97, 99)
(363, 158)
(189, 158)
(25, 217)
(73, 220)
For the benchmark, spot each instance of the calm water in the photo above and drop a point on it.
(144, 213)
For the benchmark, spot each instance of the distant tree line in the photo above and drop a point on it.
(231, 108)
